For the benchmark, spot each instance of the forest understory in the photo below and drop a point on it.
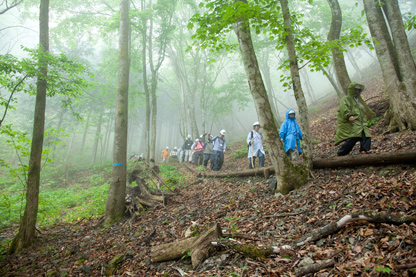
(244, 207)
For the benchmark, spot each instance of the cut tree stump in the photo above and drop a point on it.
(398, 157)
(199, 248)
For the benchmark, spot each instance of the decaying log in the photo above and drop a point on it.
(250, 250)
(369, 217)
(199, 248)
(397, 157)
(141, 196)
(314, 267)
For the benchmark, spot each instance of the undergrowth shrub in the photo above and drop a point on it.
(241, 153)
(171, 176)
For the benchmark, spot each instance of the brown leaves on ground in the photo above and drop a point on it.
(244, 208)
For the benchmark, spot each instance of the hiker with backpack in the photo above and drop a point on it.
(255, 147)
(208, 149)
(198, 156)
(219, 150)
(291, 135)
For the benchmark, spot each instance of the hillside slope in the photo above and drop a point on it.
(244, 206)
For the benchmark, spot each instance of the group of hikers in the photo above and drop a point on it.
(351, 128)
(204, 149)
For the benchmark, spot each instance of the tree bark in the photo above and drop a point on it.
(26, 234)
(396, 61)
(114, 209)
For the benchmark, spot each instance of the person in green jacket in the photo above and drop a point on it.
(351, 122)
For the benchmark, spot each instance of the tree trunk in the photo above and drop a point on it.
(287, 177)
(352, 60)
(26, 234)
(116, 196)
(267, 76)
(309, 88)
(84, 137)
(97, 138)
(297, 87)
(338, 55)
(398, 69)
(145, 84)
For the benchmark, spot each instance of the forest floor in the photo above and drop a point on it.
(244, 205)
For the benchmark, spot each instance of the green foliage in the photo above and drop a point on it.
(233, 221)
(383, 269)
(65, 76)
(409, 21)
(55, 205)
(172, 177)
(241, 153)
(373, 121)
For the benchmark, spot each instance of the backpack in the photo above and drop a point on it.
(198, 146)
(248, 145)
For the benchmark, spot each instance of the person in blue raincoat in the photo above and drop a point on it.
(291, 135)
(255, 146)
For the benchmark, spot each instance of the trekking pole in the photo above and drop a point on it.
(251, 160)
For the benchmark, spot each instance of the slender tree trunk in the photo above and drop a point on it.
(267, 77)
(114, 209)
(145, 84)
(84, 137)
(352, 60)
(396, 61)
(153, 87)
(71, 143)
(286, 177)
(297, 87)
(309, 87)
(338, 55)
(26, 234)
(97, 138)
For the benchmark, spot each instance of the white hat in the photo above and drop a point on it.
(189, 136)
(197, 140)
(201, 136)
(222, 132)
(167, 147)
(256, 123)
(175, 148)
(291, 111)
(357, 87)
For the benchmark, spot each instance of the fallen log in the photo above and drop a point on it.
(397, 157)
(199, 248)
(369, 217)
(376, 159)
